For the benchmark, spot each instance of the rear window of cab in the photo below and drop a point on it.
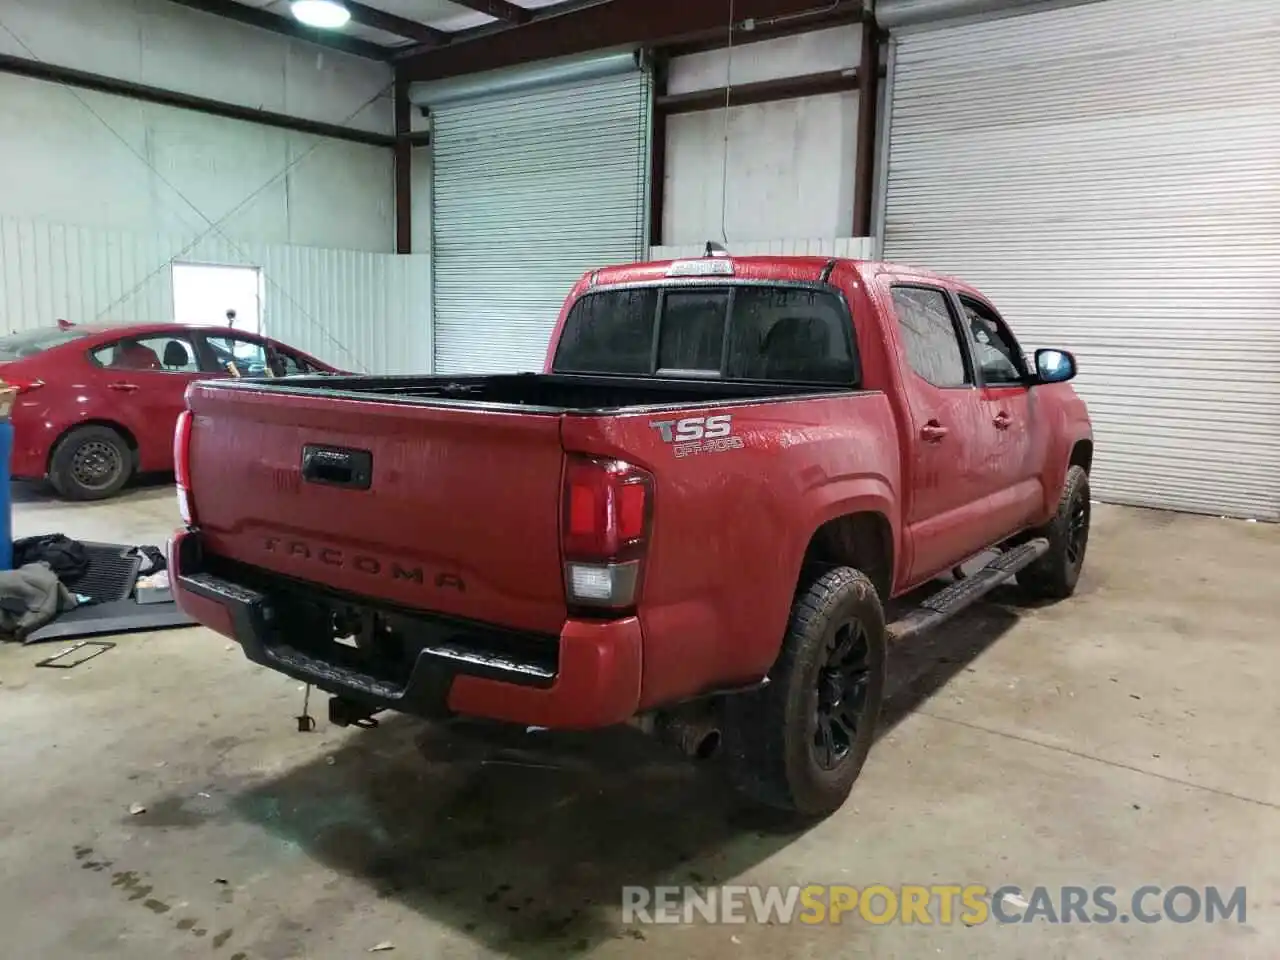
(790, 334)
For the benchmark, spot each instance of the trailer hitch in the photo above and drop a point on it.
(349, 713)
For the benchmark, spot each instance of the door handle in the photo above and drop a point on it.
(1002, 421)
(933, 432)
(123, 387)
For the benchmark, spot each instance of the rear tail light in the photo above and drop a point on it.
(182, 467)
(13, 387)
(23, 386)
(608, 508)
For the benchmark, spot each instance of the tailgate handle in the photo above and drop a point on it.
(337, 467)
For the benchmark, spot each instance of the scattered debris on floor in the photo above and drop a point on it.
(64, 589)
(92, 648)
(136, 809)
(382, 947)
(30, 597)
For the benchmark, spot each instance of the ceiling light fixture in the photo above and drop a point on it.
(324, 14)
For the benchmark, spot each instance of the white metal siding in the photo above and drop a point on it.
(763, 170)
(531, 191)
(1110, 175)
(364, 311)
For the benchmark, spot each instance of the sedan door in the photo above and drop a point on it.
(145, 380)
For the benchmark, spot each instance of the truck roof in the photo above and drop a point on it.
(768, 267)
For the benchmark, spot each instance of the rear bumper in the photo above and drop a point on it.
(591, 679)
(32, 442)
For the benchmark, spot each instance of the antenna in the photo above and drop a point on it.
(728, 102)
(715, 250)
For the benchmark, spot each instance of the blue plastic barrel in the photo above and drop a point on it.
(6, 492)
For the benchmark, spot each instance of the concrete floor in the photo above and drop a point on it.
(1125, 737)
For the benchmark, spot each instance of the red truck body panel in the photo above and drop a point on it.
(721, 526)
(464, 516)
(462, 498)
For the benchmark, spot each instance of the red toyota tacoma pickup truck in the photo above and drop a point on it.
(692, 519)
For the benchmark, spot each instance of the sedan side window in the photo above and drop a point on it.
(930, 335)
(994, 347)
(162, 354)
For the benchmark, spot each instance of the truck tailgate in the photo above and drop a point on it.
(459, 513)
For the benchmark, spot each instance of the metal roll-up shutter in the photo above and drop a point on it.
(1109, 173)
(532, 189)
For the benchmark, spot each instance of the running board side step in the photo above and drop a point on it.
(945, 604)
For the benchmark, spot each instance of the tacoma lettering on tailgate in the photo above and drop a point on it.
(362, 563)
(694, 435)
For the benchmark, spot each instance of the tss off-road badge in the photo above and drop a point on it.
(694, 435)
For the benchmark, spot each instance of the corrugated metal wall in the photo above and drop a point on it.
(364, 311)
(849, 248)
(531, 190)
(1115, 188)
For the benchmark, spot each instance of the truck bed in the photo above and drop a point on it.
(439, 493)
(536, 392)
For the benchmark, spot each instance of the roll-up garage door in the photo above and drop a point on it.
(1109, 173)
(531, 189)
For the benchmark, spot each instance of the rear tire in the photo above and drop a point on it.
(90, 463)
(1055, 575)
(799, 743)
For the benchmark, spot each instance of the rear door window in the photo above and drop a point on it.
(930, 335)
(166, 353)
(744, 332)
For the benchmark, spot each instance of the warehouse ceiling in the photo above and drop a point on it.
(395, 29)
(429, 39)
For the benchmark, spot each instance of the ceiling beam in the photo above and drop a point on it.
(71, 77)
(597, 26)
(840, 14)
(762, 91)
(391, 23)
(255, 17)
(499, 9)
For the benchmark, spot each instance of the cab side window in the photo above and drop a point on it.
(930, 336)
(998, 356)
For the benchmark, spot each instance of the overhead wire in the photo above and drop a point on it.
(724, 161)
(212, 225)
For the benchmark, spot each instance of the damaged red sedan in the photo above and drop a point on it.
(97, 404)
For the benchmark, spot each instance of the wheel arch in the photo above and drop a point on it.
(126, 434)
(861, 539)
(1082, 455)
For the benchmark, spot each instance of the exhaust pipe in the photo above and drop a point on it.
(696, 735)
(697, 738)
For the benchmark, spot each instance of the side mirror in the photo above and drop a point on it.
(1055, 366)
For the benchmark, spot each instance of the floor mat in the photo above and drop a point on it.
(120, 616)
(111, 573)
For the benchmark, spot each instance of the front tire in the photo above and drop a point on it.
(1054, 576)
(799, 743)
(90, 463)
